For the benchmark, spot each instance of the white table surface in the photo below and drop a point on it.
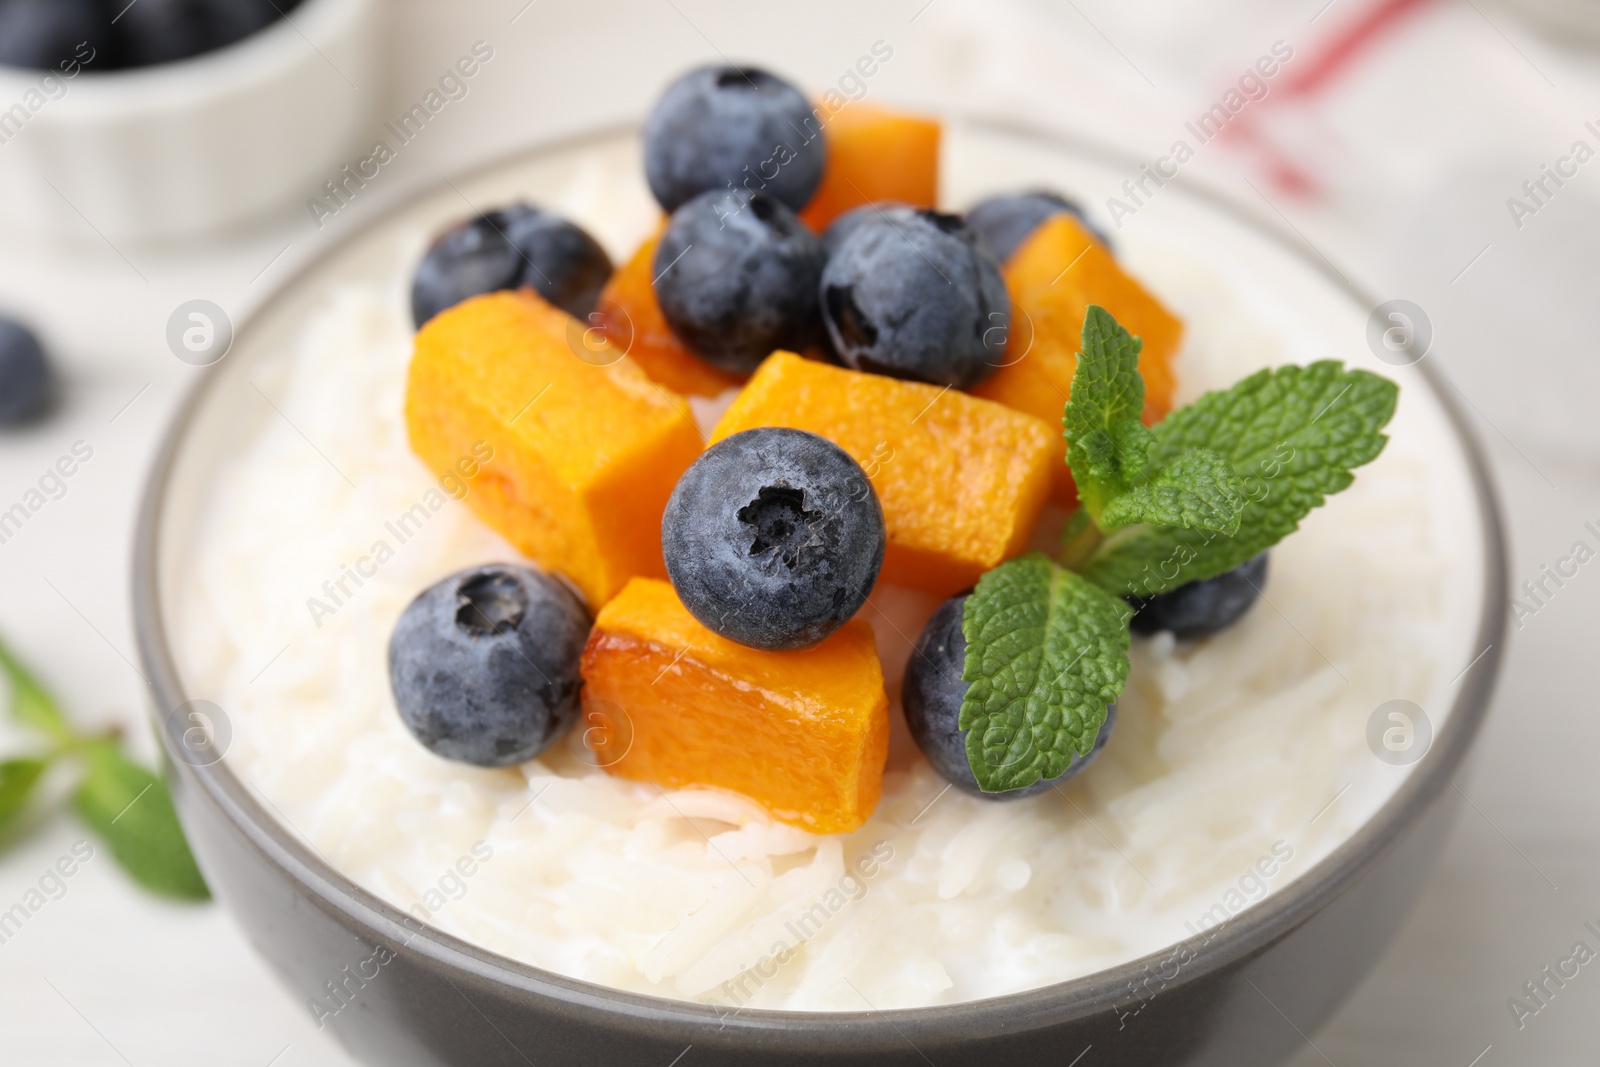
(1414, 150)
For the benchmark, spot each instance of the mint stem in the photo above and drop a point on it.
(1079, 540)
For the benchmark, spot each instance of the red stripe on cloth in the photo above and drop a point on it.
(1348, 43)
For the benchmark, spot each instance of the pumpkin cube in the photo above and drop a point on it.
(805, 734)
(1053, 278)
(631, 319)
(585, 452)
(961, 480)
(874, 154)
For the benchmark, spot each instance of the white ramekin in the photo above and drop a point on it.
(193, 147)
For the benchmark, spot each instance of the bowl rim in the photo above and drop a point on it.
(1250, 932)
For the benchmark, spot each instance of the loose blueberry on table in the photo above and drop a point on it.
(484, 664)
(736, 277)
(915, 295)
(733, 128)
(1204, 607)
(511, 247)
(773, 538)
(26, 381)
(932, 696)
(1007, 220)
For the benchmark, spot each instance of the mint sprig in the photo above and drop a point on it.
(1047, 652)
(1208, 488)
(127, 805)
(1293, 435)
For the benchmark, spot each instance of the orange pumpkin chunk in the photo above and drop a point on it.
(874, 154)
(1053, 278)
(961, 480)
(804, 734)
(585, 456)
(631, 319)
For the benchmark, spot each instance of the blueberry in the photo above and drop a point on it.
(509, 248)
(26, 382)
(736, 277)
(484, 665)
(733, 128)
(559, 259)
(1005, 221)
(847, 223)
(471, 258)
(932, 696)
(913, 294)
(842, 227)
(42, 34)
(773, 538)
(1203, 607)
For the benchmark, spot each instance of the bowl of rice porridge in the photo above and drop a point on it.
(1245, 845)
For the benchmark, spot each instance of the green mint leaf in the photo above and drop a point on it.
(30, 704)
(1292, 434)
(1106, 441)
(17, 779)
(1199, 491)
(131, 809)
(1047, 652)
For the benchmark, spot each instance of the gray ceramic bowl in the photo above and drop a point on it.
(1242, 998)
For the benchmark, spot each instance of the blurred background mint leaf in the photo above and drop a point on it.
(127, 805)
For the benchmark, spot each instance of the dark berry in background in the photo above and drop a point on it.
(932, 696)
(733, 127)
(1203, 607)
(914, 294)
(773, 538)
(102, 35)
(42, 34)
(736, 278)
(484, 664)
(26, 381)
(162, 31)
(515, 246)
(1007, 220)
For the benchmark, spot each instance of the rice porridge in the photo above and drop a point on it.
(1238, 762)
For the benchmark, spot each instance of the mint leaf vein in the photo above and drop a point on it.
(1199, 491)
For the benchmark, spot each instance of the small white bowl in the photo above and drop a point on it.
(193, 147)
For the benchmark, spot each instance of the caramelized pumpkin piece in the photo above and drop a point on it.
(585, 455)
(961, 480)
(874, 154)
(631, 320)
(1053, 278)
(805, 734)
